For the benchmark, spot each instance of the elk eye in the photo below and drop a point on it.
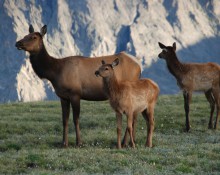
(106, 68)
(34, 37)
(165, 50)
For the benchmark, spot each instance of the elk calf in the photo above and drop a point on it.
(194, 77)
(130, 98)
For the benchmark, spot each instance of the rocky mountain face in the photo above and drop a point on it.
(104, 27)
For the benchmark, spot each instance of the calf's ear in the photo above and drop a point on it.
(161, 45)
(31, 29)
(43, 30)
(115, 62)
(174, 46)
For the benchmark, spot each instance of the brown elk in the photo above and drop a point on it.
(130, 98)
(194, 77)
(71, 76)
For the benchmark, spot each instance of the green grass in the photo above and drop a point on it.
(31, 135)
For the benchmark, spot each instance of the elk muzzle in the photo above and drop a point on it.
(160, 56)
(97, 73)
(19, 45)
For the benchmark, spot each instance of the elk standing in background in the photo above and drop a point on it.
(71, 77)
(194, 77)
(129, 98)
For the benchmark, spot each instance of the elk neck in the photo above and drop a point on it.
(43, 64)
(175, 67)
(111, 86)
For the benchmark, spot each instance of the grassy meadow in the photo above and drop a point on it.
(31, 135)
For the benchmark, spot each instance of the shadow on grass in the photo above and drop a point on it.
(56, 144)
(111, 144)
(10, 146)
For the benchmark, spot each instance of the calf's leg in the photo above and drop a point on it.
(134, 124)
(148, 115)
(187, 99)
(125, 139)
(130, 129)
(211, 101)
(119, 126)
(217, 100)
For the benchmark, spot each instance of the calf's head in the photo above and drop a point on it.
(33, 41)
(106, 70)
(167, 51)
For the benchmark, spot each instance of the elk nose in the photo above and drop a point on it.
(17, 44)
(97, 73)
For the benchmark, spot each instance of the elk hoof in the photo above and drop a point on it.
(148, 145)
(188, 128)
(210, 126)
(124, 145)
(65, 145)
(118, 147)
(133, 146)
(216, 126)
(79, 144)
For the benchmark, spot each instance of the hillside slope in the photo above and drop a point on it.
(95, 28)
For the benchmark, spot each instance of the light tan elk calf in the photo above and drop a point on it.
(194, 77)
(129, 98)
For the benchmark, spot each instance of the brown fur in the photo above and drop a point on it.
(194, 77)
(130, 98)
(72, 77)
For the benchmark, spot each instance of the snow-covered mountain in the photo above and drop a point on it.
(104, 27)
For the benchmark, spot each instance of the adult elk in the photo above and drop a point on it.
(130, 98)
(194, 77)
(71, 76)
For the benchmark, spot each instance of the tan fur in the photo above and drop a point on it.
(194, 77)
(73, 77)
(130, 98)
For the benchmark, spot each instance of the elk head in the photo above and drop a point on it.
(105, 70)
(33, 41)
(167, 51)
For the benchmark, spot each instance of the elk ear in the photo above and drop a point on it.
(43, 30)
(31, 29)
(161, 45)
(115, 62)
(174, 46)
(103, 62)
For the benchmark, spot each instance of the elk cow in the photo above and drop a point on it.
(194, 77)
(130, 98)
(71, 76)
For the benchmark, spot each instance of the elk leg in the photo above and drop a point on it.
(130, 128)
(149, 117)
(134, 124)
(217, 100)
(187, 99)
(217, 117)
(65, 104)
(119, 126)
(211, 101)
(125, 139)
(75, 102)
